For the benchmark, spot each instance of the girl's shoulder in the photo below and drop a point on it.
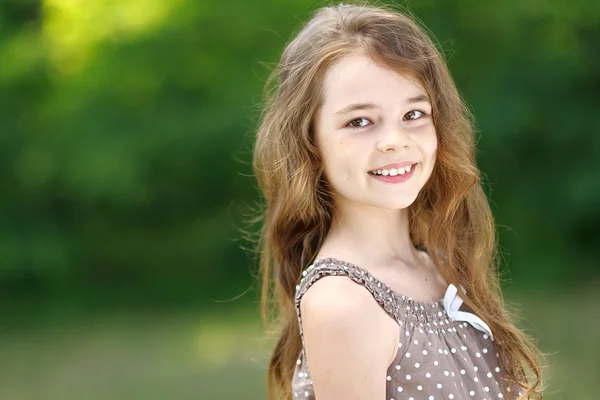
(345, 331)
(336, 289)
(397, 305)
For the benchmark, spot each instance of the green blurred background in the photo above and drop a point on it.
(126, 130)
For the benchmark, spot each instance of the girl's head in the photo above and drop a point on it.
(371, 117)
(311, 159)
(313, 156)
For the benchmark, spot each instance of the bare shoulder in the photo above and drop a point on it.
(349, 339)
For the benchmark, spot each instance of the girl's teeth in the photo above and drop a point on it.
(393, 171)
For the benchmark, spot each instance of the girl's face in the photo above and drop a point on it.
(372, 117)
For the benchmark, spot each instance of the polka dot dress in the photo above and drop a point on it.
(437, 357)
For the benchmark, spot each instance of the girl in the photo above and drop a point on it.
(377, 233)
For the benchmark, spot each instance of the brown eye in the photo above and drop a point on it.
(418, 114)
(356, 123)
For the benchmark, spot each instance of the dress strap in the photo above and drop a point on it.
(402, 308)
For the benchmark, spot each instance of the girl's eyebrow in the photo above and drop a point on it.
(370, 106)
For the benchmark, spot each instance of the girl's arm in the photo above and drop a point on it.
(348, 340)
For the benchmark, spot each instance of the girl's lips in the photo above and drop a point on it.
(398, 178)
(397, 165)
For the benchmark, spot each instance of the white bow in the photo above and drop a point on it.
(452, 302)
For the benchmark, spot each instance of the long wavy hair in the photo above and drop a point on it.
(451, 214)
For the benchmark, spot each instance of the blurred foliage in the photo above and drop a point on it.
(127, 129)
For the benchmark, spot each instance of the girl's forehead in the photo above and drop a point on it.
(358, 78)
(356, 66)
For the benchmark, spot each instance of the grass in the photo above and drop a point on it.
(222, 354)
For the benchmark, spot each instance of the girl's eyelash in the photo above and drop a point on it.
(358, 127)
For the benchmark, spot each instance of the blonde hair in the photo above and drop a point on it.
(450, 215)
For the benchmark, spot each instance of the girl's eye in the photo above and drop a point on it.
(352, 124)
(419, 115)
(413, 116)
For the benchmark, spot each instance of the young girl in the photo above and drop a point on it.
(377, 234)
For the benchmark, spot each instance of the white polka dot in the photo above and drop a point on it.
(463, 347)
(487, 389)
(450, 396)
(439, 385)
(428, 375)
(399, 344)
(500, 395)
(478, 354)
(489, 374)
(416, 341)
(389, 378)
(485, 336)
(475, 369)
(431, 398)
(446, 373)
(301, 374)
(485, 351)
(407, 355)
(462, 371)
(497, 369)
(452, 373)
(440, 351)
(408, 377)
(406, 333)
(445, 351)
(476, 379)
(400, 388)
(398, 367)
(435, 363)
(424, 352)
(419, 387)
(305, 394)
(417, 365)
(472, 393)
(453, 350)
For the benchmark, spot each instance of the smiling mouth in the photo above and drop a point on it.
(393, 171)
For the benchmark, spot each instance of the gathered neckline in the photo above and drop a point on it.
(387, 288)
